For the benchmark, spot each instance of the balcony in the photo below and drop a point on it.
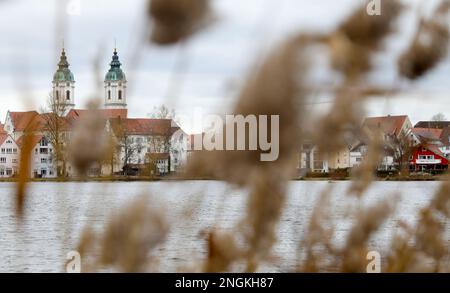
(428, 161)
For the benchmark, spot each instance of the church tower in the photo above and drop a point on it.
(64, 84)
(115, 85)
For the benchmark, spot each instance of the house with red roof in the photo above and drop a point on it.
(394, 132)
(17, 122)
(428, 158)
(143, 141)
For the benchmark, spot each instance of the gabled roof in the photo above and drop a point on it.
(35, 139)
(22, 120)
(445, 136)
(2, 130)
(390, 125)
(75, 114)
(3, 137)
(432, 124)
(434, 149)
(161, 127)
(428, 133)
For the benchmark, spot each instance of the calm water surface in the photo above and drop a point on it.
(57, 212)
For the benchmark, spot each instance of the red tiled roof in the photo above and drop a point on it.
(428, 133)
(435, 150)
(22, 120)
(388, 124)
(34, 140)
(3, 137)
(142, 126)
(106, 113)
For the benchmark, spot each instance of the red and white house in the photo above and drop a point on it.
(428, 158)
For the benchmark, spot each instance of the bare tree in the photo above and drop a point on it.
(161, 143)
(125, 144)
(402, 146)
(55, 129)
(163, 112)
(439, 117)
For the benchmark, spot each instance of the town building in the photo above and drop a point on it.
(141, 142)
(428, 158)
(9, 155)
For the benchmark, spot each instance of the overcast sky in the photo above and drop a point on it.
(32, 32)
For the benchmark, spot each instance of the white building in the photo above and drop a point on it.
(64, 84)
(115, 85)
(312, 160)
(9, 156)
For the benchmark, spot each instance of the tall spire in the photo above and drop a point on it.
(115, 84)
(64, 82)
(63, 64)
(63, 72)
(115, 73)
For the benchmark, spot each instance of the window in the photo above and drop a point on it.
(109, 95)
(120, 95)
(14, 151)
(9, 141)
(57, 95)
(358, 159)
(9, 151)
(422, 157)
(8, 171)
(68, 95)
(2, 172)
(43, 160)
(14, 161)
(43, 151)
(43, 142)
(2, 160)
(3, 151)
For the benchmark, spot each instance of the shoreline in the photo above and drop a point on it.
(168, 179)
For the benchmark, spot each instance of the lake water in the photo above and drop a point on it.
(56, 213)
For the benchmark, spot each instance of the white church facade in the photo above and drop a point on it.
(139, 140)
